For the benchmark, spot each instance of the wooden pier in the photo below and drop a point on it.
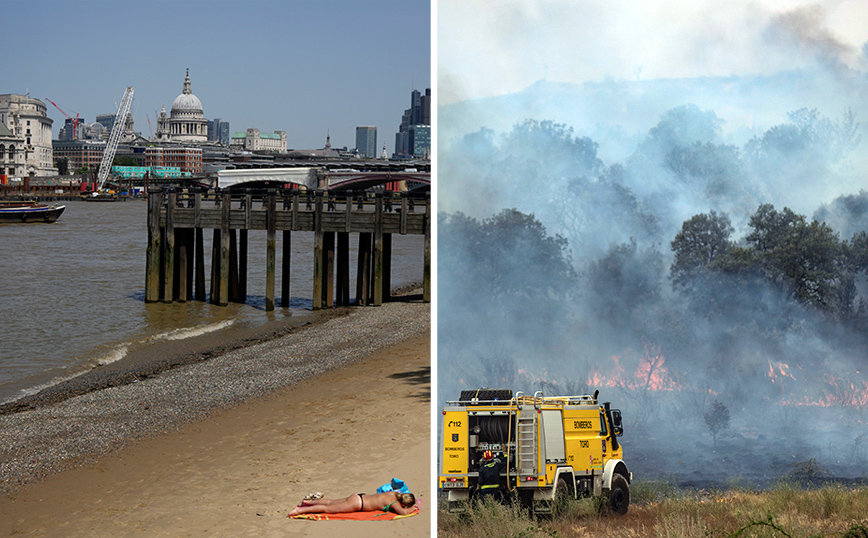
(175, 268)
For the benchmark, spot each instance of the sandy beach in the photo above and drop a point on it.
(161, 457)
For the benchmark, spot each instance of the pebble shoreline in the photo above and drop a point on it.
(39, 442)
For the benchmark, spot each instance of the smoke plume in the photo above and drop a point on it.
(555, 269)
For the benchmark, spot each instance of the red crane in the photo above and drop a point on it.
(74, 121)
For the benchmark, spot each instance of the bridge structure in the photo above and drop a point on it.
(312, 178)
(177, 218)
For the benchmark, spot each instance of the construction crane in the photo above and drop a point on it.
(149, 125)
(74, 121)
(111, 147)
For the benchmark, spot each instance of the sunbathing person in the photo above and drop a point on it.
(400, 503)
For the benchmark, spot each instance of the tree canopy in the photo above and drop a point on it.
(803, 259)
(703, 240)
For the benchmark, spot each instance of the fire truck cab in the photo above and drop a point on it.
(554, 447)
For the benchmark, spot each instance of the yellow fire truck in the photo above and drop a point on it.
(554, 447)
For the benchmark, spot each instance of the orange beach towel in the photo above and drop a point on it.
(376, 515)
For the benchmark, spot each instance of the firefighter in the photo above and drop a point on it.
(488, 484)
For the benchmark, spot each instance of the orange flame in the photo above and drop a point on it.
(779, 370)
(650, 374)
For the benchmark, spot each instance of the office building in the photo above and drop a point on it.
(80, 154)
(186, 159)
(106, 120)
(419, 114)
(218, 131)
(366, 141)
(73, 129)
(253, 140)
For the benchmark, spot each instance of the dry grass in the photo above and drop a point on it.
(663, 511)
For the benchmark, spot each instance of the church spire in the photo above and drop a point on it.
(187, 83)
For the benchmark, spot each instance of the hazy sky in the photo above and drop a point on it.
(301, 66)
(485, 51)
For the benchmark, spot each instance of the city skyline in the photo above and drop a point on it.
(308, 68)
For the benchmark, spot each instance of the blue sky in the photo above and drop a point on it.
(302, 66)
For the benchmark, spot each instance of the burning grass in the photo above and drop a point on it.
(663, 510)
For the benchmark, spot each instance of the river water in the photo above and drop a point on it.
(72, 293)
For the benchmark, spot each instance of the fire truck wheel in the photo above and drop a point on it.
(619, 495)
(561, 497)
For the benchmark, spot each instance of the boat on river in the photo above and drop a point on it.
(103, 197)
(29, 211)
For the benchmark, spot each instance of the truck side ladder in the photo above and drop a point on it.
(526, 457)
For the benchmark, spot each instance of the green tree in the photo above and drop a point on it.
(508, 258)
(859, 251)
(595, 213)
(716, 419)
(124, 160)
(553, 146)
(806, 258)
(703, 240)
(805, 149)
(518, 257)
(683, 126)
(504, 284)
(535, 157)
(714, 165)
(626, 280)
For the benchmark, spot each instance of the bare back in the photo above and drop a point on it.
(378, 501)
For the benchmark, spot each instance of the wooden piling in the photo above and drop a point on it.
(191, 261)
(175, 260)
(342, 284)
(328, 269)
(377, 254)
(405, 208)
(285, 258)
(318, 268)
(387, 267)
(234, 295)
(242, 248)
(270, 221)
(363, 274)
(152, 256)
(182, 244)
(199, 293)
(169, 251)
(215, 267)
(223, 289)
(200, 265)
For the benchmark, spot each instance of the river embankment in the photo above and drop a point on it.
(122, 405)
(151, 360)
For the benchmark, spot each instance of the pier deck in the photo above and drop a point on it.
(177, 219)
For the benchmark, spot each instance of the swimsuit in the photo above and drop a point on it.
(362, 498)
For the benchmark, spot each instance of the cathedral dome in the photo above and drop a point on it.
(187, 122)
(187, 103)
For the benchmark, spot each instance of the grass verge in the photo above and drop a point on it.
(662, 510)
